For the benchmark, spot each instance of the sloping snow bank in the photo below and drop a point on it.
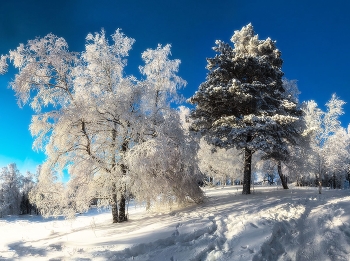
(271, 224)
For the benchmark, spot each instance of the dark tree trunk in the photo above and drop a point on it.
(115, 205)
(247, 171)
(122, 206)
(122, 215)
(119, 206)
(282, 177)
(148, 204)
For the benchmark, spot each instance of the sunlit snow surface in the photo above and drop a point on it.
(271, 224)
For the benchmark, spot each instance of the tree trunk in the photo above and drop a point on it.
(247, 170)
(320, 178)
(148, 204)
(122, 205)
(114, 204)
(283, 178)
(119, 205)
(122, 215)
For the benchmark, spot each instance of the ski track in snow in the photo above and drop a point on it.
(273, 225)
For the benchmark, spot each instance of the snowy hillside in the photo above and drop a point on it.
(271, 224)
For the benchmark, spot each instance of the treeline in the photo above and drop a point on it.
(14, 191)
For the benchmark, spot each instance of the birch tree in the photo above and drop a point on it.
(322, 125)
(337, 157)
(220, 164)
(163, 163)
(89, 114)
(79, 101)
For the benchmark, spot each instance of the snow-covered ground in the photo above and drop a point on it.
(271, 224)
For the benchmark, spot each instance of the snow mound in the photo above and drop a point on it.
(285, 212)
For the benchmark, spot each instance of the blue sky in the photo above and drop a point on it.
(313, 37)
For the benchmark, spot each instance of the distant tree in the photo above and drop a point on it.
(243, 103)
(337, 157)
(220, 164)
(10, 196)
(49, 195)
(266, 167)
(27, 184)
(321, 126)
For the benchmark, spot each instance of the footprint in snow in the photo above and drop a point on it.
(176, 233)
(251, 251)
(253, 225)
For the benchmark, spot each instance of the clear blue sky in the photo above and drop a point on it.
(313, 36)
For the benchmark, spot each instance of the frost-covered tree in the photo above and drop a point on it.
(14, 191)
(112, 105)
(88, 100)
(243, 103)
(10, 195)
(294, 135)
(89, 114)
(165, 152)
(321, 126)
(27, 184)
(220, 164)
(336, 156)
(49, 195)
(162, 82)
(163, 169)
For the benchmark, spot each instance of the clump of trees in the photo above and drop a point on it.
(14, 191)
(245, 105)
(328, 151)
(115, 134)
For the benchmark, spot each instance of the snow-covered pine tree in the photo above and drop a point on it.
(293, 134)
(243, 103)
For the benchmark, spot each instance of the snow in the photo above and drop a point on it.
(270, 224)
